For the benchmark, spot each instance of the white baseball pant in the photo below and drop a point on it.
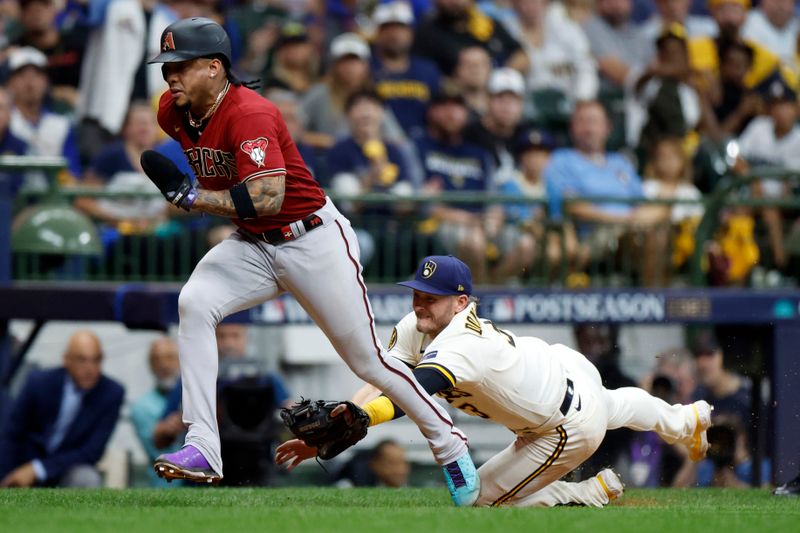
(321, 270)
(526, 473)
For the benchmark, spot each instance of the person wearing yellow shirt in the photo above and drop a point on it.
(730, 16)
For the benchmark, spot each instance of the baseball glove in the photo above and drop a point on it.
(176, 186)
(313, 423)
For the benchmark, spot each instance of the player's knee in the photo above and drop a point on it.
(194, 303)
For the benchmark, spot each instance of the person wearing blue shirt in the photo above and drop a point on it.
(9, 144)
(588, 170)
(146, 410)
(45, 133)
(60, 423)
(404, 81)
(451, 164)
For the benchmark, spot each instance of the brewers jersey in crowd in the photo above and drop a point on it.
(511, 380)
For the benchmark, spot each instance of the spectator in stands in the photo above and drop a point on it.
(385, 465)
(704, 52)
(61, 421)
(588, 170)
(668, 176)
(289, 106)
(558, 51)
(727, 391)
(45, 132)
(295, 63)
(663, 101)
(678, 366)
(523, 228)
(63, 47)
(146, 411)
(733, 103)
(457, 24)
(115, 70)
(404, 81)
(774, 140)
(670, 12)
(452, 164)
(116, 168)
(9, 143)
(617, 44)
(323, 105)
(364, 162)
(774, 25)
(600, 344)
(470, 78)
(499, 128)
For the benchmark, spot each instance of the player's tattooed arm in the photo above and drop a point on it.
(266, 193)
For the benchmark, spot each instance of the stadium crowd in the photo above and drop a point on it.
(541, 99)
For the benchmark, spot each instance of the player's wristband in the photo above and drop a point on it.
(242, 202)
(379, 410)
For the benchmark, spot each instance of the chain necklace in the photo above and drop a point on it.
(199, 123)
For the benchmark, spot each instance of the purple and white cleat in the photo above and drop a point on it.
(186, 463)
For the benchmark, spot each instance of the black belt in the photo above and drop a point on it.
(286, 233)
(567, 398)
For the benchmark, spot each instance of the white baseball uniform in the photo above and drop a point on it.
(521, 383)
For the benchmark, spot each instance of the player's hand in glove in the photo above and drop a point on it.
(330, 427)
(176, 186)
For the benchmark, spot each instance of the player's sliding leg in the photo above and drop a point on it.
(593, 492)
(228, 279)
(636, 409)
(333, 293)
(523, 473)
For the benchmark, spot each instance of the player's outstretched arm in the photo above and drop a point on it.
(266, 195)
(293, 452)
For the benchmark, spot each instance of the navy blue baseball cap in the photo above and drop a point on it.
(442, 275)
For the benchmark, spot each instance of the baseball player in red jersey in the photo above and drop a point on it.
(291, 238)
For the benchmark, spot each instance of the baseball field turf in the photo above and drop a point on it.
(382, 510)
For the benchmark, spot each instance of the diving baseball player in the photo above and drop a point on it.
(290, 238)
(550, 396)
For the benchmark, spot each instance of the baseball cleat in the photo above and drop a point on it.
(187, 463)
(698, 445)
(611, 484)
(462, 481)
(791, 488)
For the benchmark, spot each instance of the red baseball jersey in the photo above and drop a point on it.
(245, 139)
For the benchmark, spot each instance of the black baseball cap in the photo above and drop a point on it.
(192, 38)
(442, 275)
(532, 139)
(291, 32)
(704, 343)
(775, 88)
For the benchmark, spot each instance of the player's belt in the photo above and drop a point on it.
(567, 398)
(291, 231)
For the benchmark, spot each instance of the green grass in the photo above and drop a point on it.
(381, 510)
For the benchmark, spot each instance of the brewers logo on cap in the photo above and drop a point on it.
(428, 269)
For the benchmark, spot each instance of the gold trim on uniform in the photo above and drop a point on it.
(550, 460)
(392, 340)
(442, 370)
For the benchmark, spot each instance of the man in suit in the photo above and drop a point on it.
(60, 423)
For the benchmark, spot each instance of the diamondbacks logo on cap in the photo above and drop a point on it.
(256, 149)
(428, 269)
(169, 42)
